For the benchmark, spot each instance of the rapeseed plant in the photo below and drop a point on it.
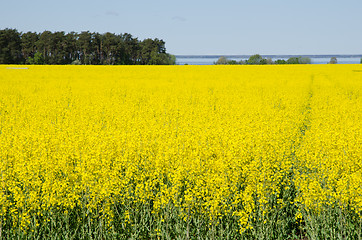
(189, 152)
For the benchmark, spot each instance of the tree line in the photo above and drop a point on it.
(259, 60)
(81, 48)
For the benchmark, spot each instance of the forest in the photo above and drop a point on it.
(87, 48)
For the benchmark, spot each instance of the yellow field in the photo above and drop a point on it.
(166, 151)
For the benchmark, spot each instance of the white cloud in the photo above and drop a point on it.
(179, 18)
(112, 13)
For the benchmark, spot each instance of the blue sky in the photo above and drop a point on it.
(194, 27)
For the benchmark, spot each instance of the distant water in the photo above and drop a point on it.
(316, 59)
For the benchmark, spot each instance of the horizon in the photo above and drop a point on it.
(271, 55)
(314, 59)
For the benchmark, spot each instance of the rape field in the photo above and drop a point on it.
(181, 152)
